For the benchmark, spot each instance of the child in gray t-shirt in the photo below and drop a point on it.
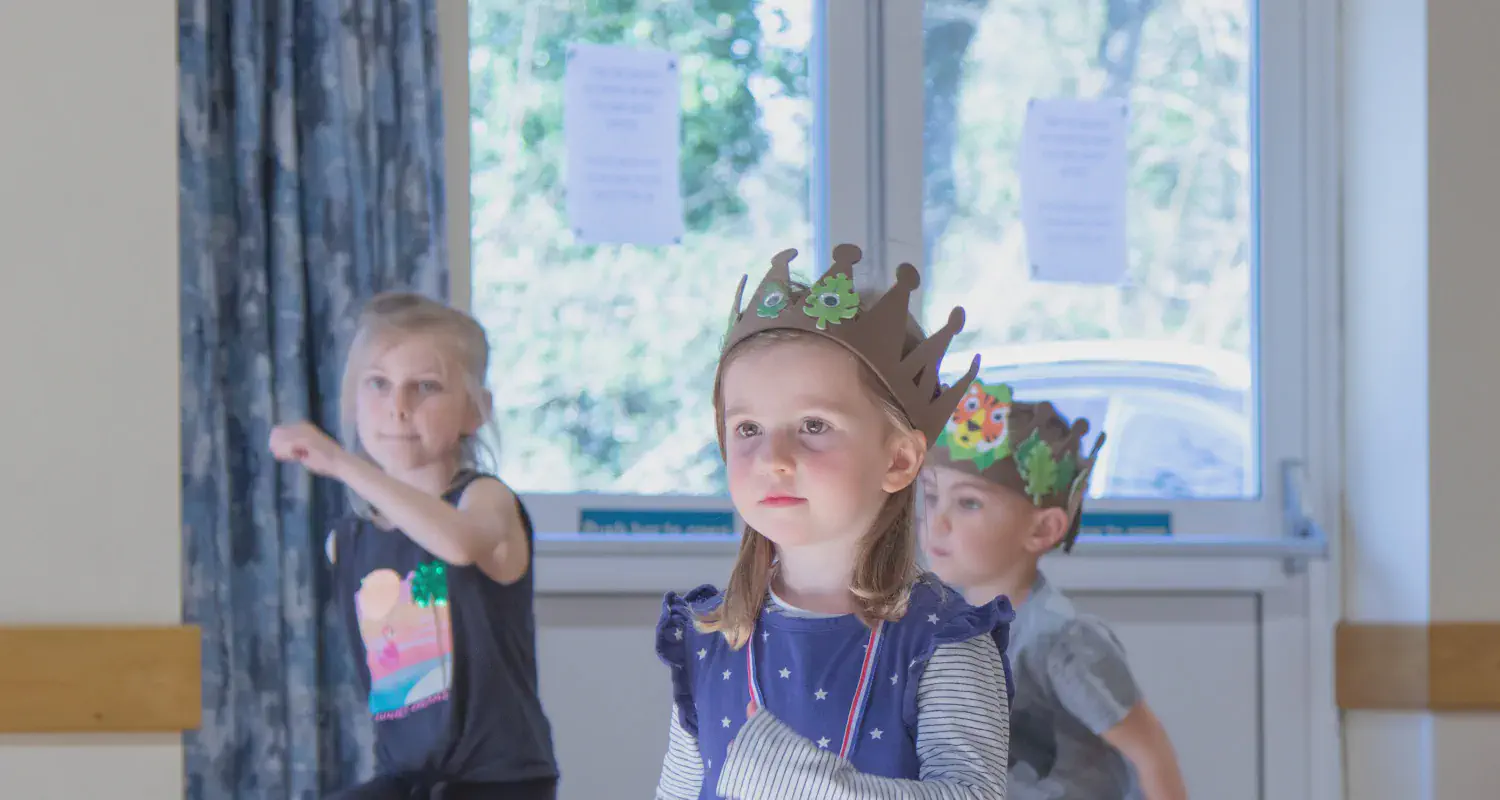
(1005, 485)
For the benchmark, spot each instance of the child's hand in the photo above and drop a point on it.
(303, 443)
(751, 709)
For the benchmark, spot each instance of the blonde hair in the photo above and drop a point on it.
(395, 315)
(886, 566)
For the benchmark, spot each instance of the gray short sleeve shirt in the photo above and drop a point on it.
(1072, 684)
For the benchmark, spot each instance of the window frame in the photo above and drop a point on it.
(845, 206)
(867, 78)
(1280, 128)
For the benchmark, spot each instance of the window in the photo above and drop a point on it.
(1182, 325)
(605, 388)
(604, 355)
(1194, 365)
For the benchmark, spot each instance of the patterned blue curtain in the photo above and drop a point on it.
(311, 177)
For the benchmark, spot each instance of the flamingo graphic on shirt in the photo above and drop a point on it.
(408, 637)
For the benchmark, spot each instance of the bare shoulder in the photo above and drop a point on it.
(486, 491)
(490, 503)
(490, 497)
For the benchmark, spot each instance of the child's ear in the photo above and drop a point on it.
(1050, 527)
(908, 452)
(484, 407)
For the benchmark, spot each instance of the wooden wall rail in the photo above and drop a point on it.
(1441, 666)
(97, 679)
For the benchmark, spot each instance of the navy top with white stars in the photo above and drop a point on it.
(808, 670)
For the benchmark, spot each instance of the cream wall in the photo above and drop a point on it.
(88, 283)
(1422, 321)
(1463, 357)
(89, 527)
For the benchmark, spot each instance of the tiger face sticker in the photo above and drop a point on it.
(978, 429)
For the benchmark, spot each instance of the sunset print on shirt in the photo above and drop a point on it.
(408, 638)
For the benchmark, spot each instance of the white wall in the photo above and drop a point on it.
(1385, 291)
(89, 515)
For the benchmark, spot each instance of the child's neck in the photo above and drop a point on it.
(435, 478)
(816, 577)
(1014, 583)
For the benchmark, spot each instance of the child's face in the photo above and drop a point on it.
(976, 531)
(811, 455)
(412, 409)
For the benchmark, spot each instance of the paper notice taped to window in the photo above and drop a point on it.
(622, 113)
(1073, 184)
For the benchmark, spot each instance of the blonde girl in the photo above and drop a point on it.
(433, 567)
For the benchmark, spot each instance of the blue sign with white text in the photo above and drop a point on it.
(655, 521)
(1126, 523)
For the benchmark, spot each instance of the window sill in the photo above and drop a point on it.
(1158, 564)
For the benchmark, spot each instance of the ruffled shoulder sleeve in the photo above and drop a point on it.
(956, 622)
(673, 632)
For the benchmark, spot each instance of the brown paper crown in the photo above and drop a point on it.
(831, 308)
(1027, 447)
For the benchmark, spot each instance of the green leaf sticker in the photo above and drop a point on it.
(1037, 466)
(1067, 470)
(772, 302)
(832, 300)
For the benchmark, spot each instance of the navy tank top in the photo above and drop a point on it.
(447, 657)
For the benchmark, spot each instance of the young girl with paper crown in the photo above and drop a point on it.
(433, 569)
(830, 666)
(1005, 485)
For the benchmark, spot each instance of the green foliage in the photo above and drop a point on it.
(1189, 205)
(522, 46)
(604, 356)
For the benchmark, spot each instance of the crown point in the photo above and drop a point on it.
(1080, 428)
(907, 277)
(739, 299)
(847, 254)
(784, 258)
(956, 319)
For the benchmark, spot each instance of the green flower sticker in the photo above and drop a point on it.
(832, 300)
(772, 302)
(1038, 467)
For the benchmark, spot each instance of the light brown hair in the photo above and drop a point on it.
(392, 316)
(886, 566)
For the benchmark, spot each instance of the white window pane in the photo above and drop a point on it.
(1163, 362)
(603, 356)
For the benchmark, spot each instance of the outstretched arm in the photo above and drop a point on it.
(484, 529)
